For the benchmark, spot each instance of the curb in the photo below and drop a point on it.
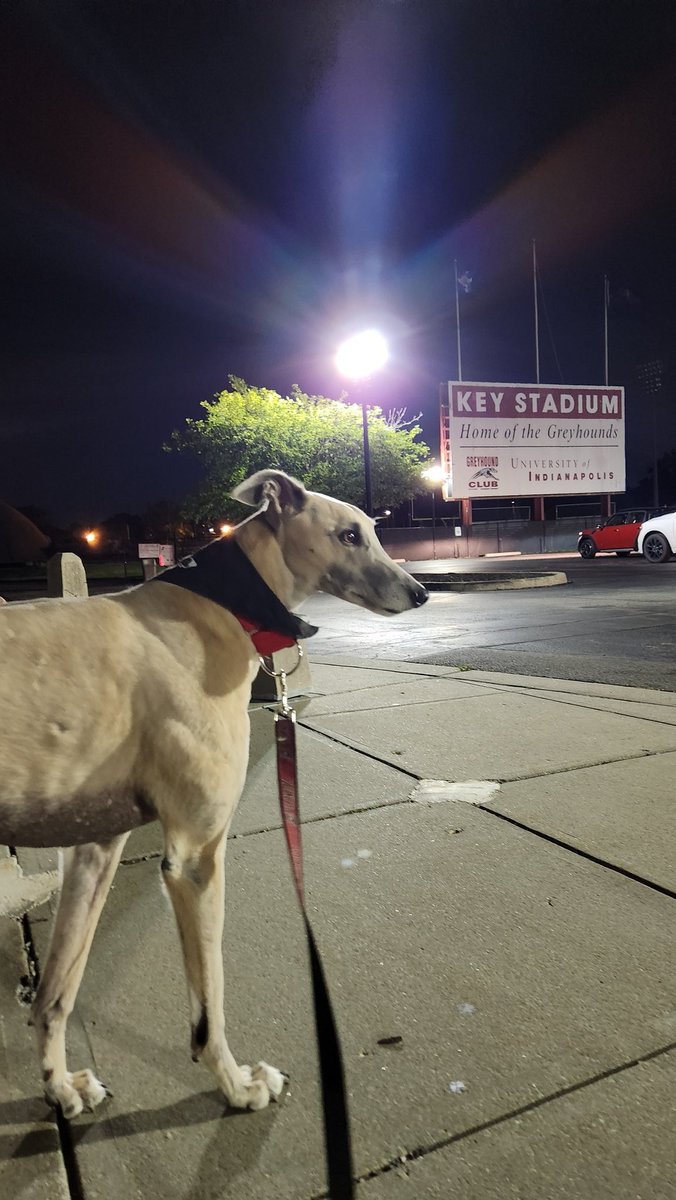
(488, 581)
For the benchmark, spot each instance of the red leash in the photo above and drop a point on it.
(334, 1094)
(287, 782)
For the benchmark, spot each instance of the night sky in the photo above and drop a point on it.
(192, 190)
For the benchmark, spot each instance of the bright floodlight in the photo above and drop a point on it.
(362, 355)
(434, 474)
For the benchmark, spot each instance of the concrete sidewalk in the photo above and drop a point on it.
(518, 937)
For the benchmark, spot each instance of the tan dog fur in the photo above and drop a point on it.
(118, 710)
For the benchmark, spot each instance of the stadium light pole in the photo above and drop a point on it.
(358, 358)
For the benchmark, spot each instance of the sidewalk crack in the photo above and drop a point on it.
(578, 850)
(342, 741)
(28, 986)
(420, 1152)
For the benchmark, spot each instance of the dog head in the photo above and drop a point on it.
(331, 546)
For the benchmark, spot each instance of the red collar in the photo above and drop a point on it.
(266, 641)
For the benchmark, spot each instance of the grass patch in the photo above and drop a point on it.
(113, 570)
(99, 569)
(29, 572)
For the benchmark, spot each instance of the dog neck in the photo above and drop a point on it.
(227, 573)
(259, 542)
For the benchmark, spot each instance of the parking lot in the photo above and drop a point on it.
(614, 622)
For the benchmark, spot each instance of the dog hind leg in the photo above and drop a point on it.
(194, 876)
(88, 874)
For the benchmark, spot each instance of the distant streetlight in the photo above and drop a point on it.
(91, 537)
(434, 476)
(358, 358)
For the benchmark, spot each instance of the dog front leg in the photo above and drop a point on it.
(88, 874)
(195, 881)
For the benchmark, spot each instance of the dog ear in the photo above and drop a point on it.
(276, 486)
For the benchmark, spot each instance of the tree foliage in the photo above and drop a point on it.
(312, 437)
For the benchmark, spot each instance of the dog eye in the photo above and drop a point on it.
(350, 537)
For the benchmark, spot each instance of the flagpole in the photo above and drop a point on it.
(607, 499)
(538, 501)
(457, 318)
(606, 297)
(536, 314)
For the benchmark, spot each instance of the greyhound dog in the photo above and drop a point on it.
(120, 710)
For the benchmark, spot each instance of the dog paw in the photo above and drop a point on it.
(261, 1084)
(273, 1078)
(75, 1092)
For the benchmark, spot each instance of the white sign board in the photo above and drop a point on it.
(507, 439)
(164, 555)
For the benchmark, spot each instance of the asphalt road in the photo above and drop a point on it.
(614, 622)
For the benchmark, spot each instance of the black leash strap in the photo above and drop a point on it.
(334, 1096)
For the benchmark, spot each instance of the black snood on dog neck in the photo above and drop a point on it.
(222, 572)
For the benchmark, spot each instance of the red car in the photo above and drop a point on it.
(616, 535)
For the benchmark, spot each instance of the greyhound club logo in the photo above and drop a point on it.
(486, 477)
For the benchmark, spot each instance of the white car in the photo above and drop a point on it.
(657, 538)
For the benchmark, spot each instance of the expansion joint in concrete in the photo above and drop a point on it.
(67, 1143)
(539, 833)
(26, 991)
(402, 1160)
(586, 854)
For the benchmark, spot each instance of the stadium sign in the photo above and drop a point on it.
(506, 439)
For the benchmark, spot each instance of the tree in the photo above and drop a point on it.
(164, 522)
(312, 437)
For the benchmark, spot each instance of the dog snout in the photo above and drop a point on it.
(419, 595)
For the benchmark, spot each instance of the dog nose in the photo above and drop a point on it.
(419, 596)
